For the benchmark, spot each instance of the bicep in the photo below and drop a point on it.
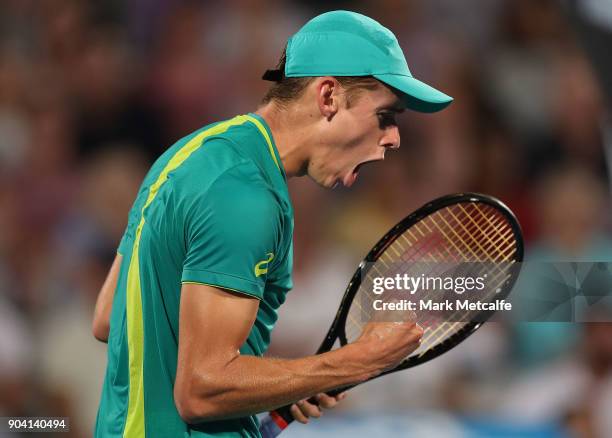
(213, 325)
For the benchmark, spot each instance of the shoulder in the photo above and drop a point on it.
(219, 179)
(242, 189)
(216, 158)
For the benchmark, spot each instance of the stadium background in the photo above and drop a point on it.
(91, 92)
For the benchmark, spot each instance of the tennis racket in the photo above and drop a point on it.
(456, 235)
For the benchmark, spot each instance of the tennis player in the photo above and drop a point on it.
(205, 262)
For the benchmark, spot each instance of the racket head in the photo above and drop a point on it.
(496, 222)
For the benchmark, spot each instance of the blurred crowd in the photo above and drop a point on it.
(92, 92)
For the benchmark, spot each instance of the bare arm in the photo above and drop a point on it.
(215, 381)
(104, 303)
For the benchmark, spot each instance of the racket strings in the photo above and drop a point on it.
(422, 249)
(454, 253)
(465, 232)
(490, 248)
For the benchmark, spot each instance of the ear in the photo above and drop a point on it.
(328, 96)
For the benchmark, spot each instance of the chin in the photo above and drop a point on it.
(328, 182)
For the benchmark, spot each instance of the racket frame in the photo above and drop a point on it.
(337, 328)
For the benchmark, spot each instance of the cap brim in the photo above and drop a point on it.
(418, 96)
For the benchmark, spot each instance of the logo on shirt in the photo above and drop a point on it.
(262, 267)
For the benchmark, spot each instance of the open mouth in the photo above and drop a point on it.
(350, 178)
(360, 165)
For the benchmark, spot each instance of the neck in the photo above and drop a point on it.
(292, 129)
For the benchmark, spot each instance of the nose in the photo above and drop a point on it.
(391, 138)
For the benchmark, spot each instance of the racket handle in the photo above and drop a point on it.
(275, 422)
(278, 420)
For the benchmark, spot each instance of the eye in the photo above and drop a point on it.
(386, 119)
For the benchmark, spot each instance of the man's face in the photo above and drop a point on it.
(358, 133)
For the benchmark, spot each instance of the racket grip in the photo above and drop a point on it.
(278, 420)
(275, 422)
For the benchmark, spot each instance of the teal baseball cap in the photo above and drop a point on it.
(345, 43)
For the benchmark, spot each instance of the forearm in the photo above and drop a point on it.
(247, 384)
(104, 302)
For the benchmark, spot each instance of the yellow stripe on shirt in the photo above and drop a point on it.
(263, 131)
(135, 420)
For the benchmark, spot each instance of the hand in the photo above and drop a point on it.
(386, 344)
(303, 409)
